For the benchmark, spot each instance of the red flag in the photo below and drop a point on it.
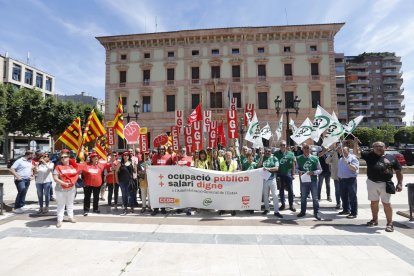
(197, 115)
(175, 131)
(220, 135)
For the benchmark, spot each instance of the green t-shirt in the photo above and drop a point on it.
(308, 164)
(285, 161)
(249, 166)
(270, 162)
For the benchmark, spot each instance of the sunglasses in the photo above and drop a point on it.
(63, 157)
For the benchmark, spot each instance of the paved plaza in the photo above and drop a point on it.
(205, 243)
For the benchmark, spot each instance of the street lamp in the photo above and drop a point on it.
(278, 103)
(136, 106)
(241, 131)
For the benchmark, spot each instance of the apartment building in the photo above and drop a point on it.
(341, 95)
(169, 71)
(20, 74)
(373, 84)
(85, 99)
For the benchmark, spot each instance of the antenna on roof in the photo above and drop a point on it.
(287, 22)
(156, 25)
(28, 58)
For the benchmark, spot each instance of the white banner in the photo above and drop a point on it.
(182, 187)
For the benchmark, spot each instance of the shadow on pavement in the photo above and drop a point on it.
(353, 228)
(42, 223)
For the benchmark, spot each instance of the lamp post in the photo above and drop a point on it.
(136, 107)
(278, 103)
(241, 131)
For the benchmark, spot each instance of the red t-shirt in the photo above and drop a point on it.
(161, 160)
(92, 174)
(110, 172)
(184, 161)
(67, 174)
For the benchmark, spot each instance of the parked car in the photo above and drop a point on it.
(408, 155)
(397, 155)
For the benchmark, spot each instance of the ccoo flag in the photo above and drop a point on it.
(303, 133)
(334, 132)
(320, 123)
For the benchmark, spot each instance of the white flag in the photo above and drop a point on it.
(266, 132)
(334, 132)
(303, 133)
(351, 126)
(253, 133)
(279, 129)
(293, 126)
(320, 123)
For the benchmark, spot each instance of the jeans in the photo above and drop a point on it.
(271, 183)
(349, 197)
(43, 189)
(22, 186)
(113, 189)
(127, 197)
(327, 177)
(88, 190)
(305, 188)
(337, 192)
(286, 181)
(63, 199)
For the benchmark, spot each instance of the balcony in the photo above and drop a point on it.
(358, 73)
(353, 90)
(315, 77)
(146, 82)
(122, 84)
(394, 80)
(288, 78)
(236, 79)
(357, 82)
(398, 98)
(360, 99)
(356, 65)
(170, 82)
(261, 78)
(195, 81)
(394, 114)
(391, 64)
(359, 107)
(392, 58)
(394, 106)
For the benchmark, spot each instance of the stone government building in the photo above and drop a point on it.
(167, 71)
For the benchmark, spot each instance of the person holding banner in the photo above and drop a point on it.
(286, 174)
(161, 159)
(228, 164)
(124, 176)
(202, 160)
(249, 164)
(309, 168)
(270, 164)
(183, 159)
(215, 161)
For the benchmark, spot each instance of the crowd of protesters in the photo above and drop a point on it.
(127, 172)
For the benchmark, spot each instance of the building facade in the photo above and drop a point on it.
(20, 74)
(171, 71)
(341, 95)
(373, 84)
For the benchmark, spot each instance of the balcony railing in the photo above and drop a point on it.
(146, 82)
(236, 79)
(122, 84)
(195, 81)
(170, 82)
(261, 78)
(288, 78)
(315, 77)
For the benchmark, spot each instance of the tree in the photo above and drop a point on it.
(363, 134)
(388, 132)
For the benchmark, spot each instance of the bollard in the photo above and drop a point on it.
(1, 198)
(410, 191)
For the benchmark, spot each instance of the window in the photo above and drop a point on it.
(340, 85)
(260, 50)
(316, 99)
(215, 72)
(146, 104)
(170, 103)
(235, 51)
(147, 55)
(170, 74)
(17, 71)
(195, 73)
(170, 54)
(313, 48)
(48, 84)
(337, 60)
(262, 100)
(122, 76)
(195, 100)
(288, 69)
(195, 53)
(39, 80)
(314, 69)
(216, 100)
(238, 97)
(123, 56)
(261, 70)
(28, 77)
(146, 76)
(235, 71)
(339, 69)
(289, 99)
(286, 49)
(125, 104)
(215, 52)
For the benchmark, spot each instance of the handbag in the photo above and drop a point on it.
(389, 187)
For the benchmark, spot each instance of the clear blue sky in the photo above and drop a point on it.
(60, 35)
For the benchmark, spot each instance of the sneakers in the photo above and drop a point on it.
(40, 211)
(301, 215)
(338, 206)
(329, 199)
(72, 220)
(45, 210)
(351, 216)
(58, 224)
(125, 212)
(18, 211)
(317, 217)
(389, 228)
(343, 213)
(265, 212)
(221, 212)
(277, 214)
(282, 207)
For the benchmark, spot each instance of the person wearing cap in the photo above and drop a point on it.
(22, 170)
(92, 180)
(43, 180)
(65, 176)
(109, 172)
(124, 176)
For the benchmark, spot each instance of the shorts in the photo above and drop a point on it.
(376, 190)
